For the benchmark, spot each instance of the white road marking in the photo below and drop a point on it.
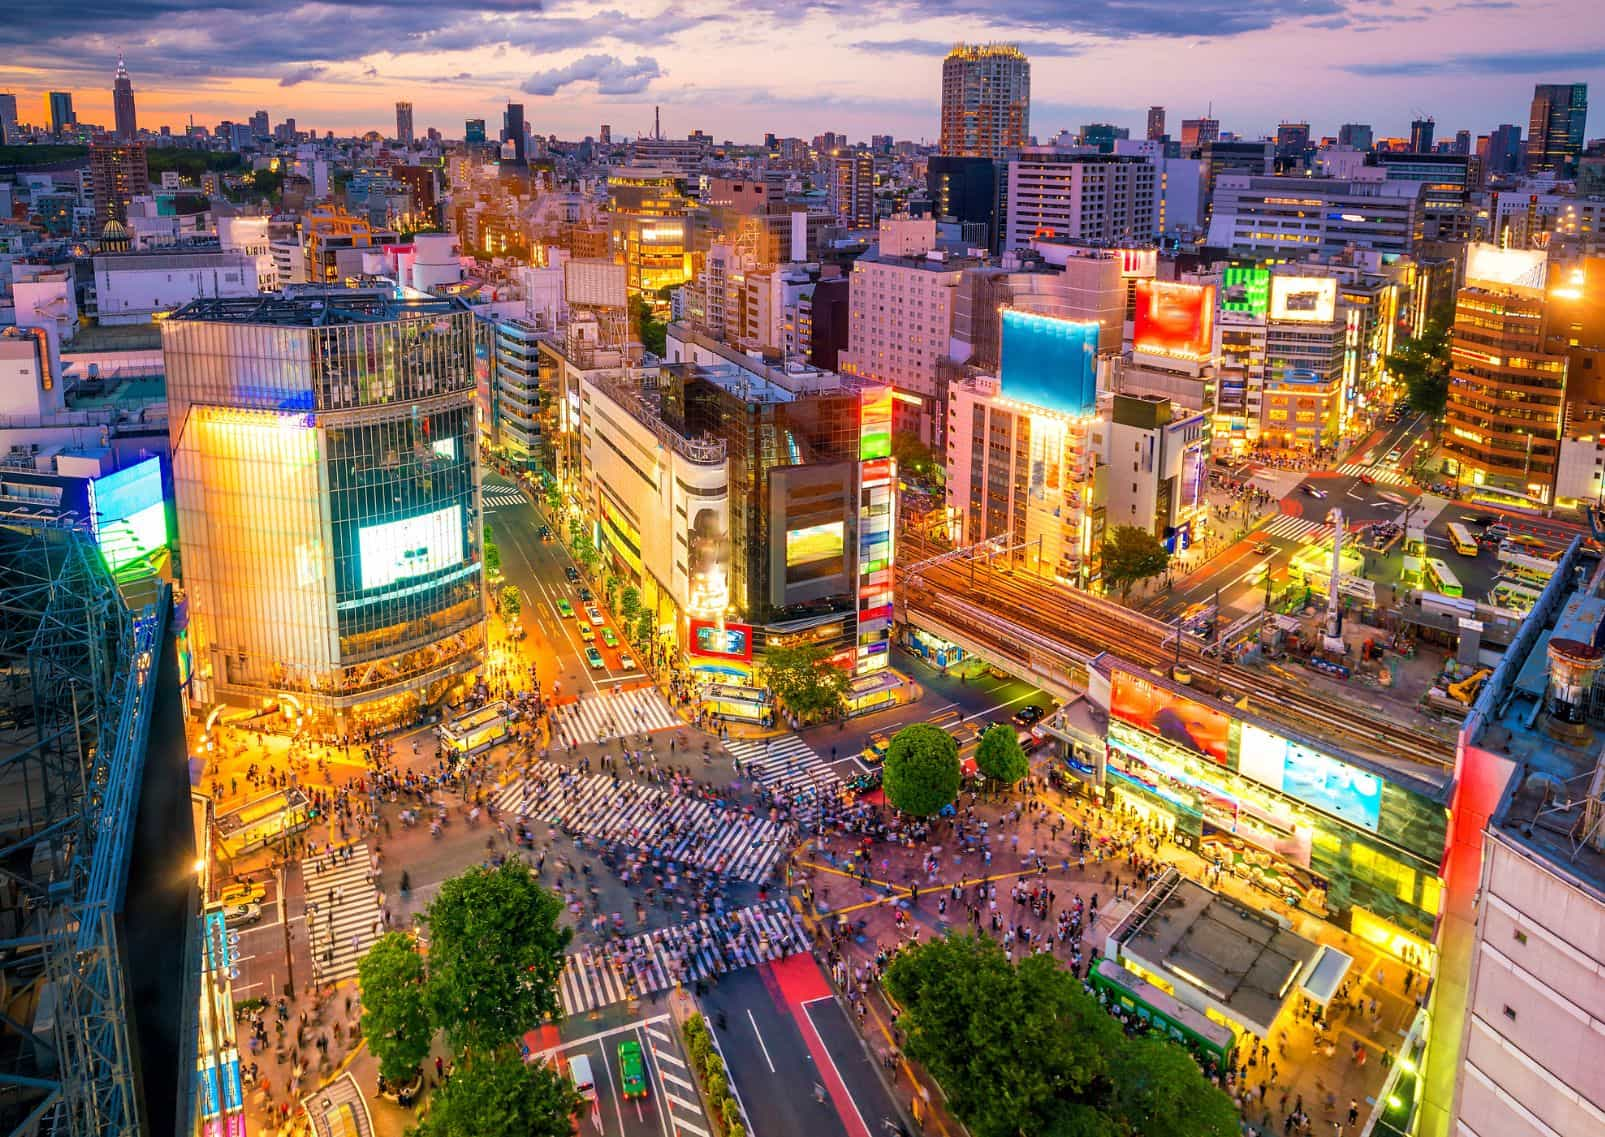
(759, 1035)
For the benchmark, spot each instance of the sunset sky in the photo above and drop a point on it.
(737, 68)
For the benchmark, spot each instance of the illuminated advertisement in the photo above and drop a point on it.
(1246, 289)
(727, 641)
(877, 520)
(1175, 320)
(815, 543)
(1049, 362)
(1138, 262)
(875, 432)
(411, 547)
(1175, 718)
(1304, 299)
(1520, 270)
(130, 517)
(1312, 777)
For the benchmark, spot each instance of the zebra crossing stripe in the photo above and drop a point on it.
(337, 942)
(786, 763)
(638, 710)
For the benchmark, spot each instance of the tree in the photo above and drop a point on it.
(999, 755)
(921, 769)
(512, 603)
(554, 497)
(495, 954)
(917, 460)
(493, 553)
(500, 1095)
(1131, 554)
(805, 680)
(654, 332)
(1421, 363)
(395, 1006)
(630, 605)
(1157, 1089)
(576, 531)
(585, 554)
(646, 627)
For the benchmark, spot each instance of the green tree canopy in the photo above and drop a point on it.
(1158, 1089)
(917, 460)
(805, 680)
(1421, 363)
(1130, 554)
(493, 553)
(999, 756)
(498, 1095)
(630, 604)
(512, 602)
(395, 1006)
(921, 770)
(495, 954)
(654, 332)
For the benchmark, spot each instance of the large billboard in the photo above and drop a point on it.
(130, 515)
(596, 283)
(726, 641)
(414, 546)
(1049, 362)
(1304, 299)
(1519, 270)
(1172, 716)
(1246, 288)
(1175, 320)
(875, 426)
(815, 543)
(1311, 777)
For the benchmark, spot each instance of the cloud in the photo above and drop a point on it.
(1485, 63)
(1106, 19)
(942, 47)
(302, 75)
(612, 75)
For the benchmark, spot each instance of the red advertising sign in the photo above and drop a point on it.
(1173, 717)
(727, 641)
(1176, 320)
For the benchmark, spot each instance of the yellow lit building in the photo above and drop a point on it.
(647, 229)
(326, 229)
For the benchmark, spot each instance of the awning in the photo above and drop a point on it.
(1325, 974)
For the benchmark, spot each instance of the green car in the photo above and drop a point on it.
(632, 1069)
(564, 608)
(594, 658)
(609, 638)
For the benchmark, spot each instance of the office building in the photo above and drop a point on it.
(59, 108)
(986, 101)
(1447, 182)
(325, 471)
(1092, 198)
(1292, 218)
(1356, 135)
(122, 103)
(1196, 132)
(1505, 154)
(1555, 129)
(605, 136)
(1156, 454)
(514, 132)
(133, 288)
(648, 228)
(118, 173)
(852, 189)
(1178, 188)
(8, 117)
(684, 155)
(1292, 141)
(1219, 158)
(404, 123)
(1462, 142)
(964, 190)
(331, 244)
(474, 132)
(1156, 124)
(1421, 135)
(1103, 135)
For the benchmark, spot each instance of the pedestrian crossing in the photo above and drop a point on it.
(1383, 475)
(497, 497)
(679, 1094)
(1293, 528)
(343, 911)
(599, 976)
(597, 718)
(787, 764)
(690, 830)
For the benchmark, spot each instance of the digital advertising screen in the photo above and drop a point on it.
(130, 516)
(875, 430)
(1174, 319)
(414, 546)
(1521, 270)
(814, 543)
(1246, 289)
(1311, 777)
(1173, 717)
(732, 641)
(1304, 299)
(1049, 362)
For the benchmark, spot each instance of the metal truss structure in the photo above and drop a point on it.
(76, 691)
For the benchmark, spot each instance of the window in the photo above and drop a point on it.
(1521, 936)
(1510, 1013)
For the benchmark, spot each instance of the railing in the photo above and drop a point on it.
(705, 451)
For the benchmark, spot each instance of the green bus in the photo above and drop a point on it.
(1126, 991)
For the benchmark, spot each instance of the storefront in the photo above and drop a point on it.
(932, 649)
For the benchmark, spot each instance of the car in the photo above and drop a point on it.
(626, 661)
(1027, 715)
(594, 658)
(587, 633)
(593, 614)
(586, 594)
(1312, 491)
(564, 608)
(632, 1069)
(544, 533)
(1367, 480)
(1395, 454)
(1480, 520)
(609, 638)
(875, 749)
(579, 1072)
(1263, 548)
(242, 892)
(238, 915)
(572, 573)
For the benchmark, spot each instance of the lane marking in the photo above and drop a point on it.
(825, 1049)
(759, 1035)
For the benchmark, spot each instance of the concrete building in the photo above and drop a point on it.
(1095, 198)
(1157, 457)
(1293, 218)
(133, 288)
(852, 189)
(118, 173)
(1179, 188)
(965, 190)
(404, 133)
(986, 101)
(1196, 132)
(122, 104)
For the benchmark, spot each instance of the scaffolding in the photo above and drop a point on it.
(78, 672)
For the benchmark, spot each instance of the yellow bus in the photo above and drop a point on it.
(1460, 537)
(262, 822)
(479, 728)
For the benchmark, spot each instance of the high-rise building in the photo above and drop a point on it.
(1292, 140)
(1198, 131)
(1555, 131)
(606, 135)
(404, 133)
(329, 512)
(1462, 142)
(474, 132)
(964, 189)
(8, 117)
(513, 131)
(986, 100)
(852, 189)
(261, 125)
(1355, 134)
(122, 103)
(1103, 135)
(1156, 124)
(1504, 150)
(1099, 198)
(1421, 136)
(60, 111)
(118, 173)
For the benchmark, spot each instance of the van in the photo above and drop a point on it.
(579, 1072)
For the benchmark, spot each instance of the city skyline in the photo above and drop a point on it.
(578, 65)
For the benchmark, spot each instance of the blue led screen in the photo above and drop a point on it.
(1049, 362)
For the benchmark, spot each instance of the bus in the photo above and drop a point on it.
(267, 820)
(1120, 989)
(474, 731)
(1441, 580)
(1460, 537)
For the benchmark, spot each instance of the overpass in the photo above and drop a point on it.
(1059, 672)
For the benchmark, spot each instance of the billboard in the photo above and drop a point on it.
(1311, 777)
(1519, 270)
(727, 641)
(875, 427)
(413, 546)
(1174, 717)
(1175, 320)
(1246, 289)
(130, 515)
(1304, 299)
(594, 282)
(815, 543)
(1138, 262)
(1050, 362)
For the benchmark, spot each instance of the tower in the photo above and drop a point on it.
(1555, 128)
(404, 133)
(986, 100)
(1156, 123)
(122, 102)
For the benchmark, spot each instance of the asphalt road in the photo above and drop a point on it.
(671, 1103)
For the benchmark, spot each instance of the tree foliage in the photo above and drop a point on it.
(395, 1006)
(630, 605)
(921, 770)
(497, 1094)
(1025, 1050)
(805, 680)
(493, 553)
(512, 602)
(1421, 363)
(1130, 554)
(495, 954)
(654, 332)
(917, 460)
(999, 755)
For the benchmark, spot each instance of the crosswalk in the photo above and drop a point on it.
(685, 829)
(1382, 474)
(599, 976)
(342, 911)
(1293, 528)
(597, 718)
(787, 763)
(679, 1093)
(498, 497)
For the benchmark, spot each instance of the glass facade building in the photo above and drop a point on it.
(326, 479)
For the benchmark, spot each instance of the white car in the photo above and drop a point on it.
(626, 661)
(593, 614)
(238, 915)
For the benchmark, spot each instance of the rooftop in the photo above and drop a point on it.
(319, 309)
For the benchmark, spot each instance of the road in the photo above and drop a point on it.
(671, 1107)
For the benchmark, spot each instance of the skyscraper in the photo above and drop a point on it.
(122, 103)
(1355, 134)
(61, 116)
(853, 189)
(1555, 129)
(1421, 136)
(8, 117)
(1156, 123)
(118, 173)
(986, 100)
(513, 130)
(1198, 131)
(474, 132)
(1504, 149)
(404, 123)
